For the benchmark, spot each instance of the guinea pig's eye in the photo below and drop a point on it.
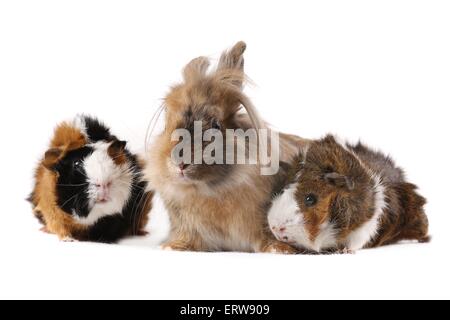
(310, 200)
(77, 164)
(216, 125)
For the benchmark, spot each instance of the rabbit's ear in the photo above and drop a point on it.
(231, 65)
(233, 58)
(196, 69)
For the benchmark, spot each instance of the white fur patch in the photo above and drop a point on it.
(284, 209)
(326, 238)
(286, 214)
(80, 123)
(101, 169)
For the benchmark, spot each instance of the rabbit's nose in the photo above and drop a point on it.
(183, 166)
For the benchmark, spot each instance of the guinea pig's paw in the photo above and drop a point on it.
(68, 239)
(44, 230)
(346, 251)
(279, 248)
(176, 246)
(142, 233)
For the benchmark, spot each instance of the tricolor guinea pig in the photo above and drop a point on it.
(88, 186)
(342, 198)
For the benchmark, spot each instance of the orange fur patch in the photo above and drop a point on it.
(117, 153)
(66, 138)
(315, 217)
(45, 202)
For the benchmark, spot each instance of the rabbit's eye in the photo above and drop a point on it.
(216, 125)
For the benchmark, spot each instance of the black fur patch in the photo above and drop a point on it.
(108, 229)
(96, 130)
(30, 197)
(133, 211)
(72, 185)
(40, 217)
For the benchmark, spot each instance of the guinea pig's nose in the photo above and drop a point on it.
(103, 186)
(279, 229)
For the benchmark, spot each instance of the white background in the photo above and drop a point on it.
(376, 70)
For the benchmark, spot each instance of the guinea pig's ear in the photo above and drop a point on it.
(196, 69)
(116, 151)
(52, 157)
(118, 146)
(339, 180)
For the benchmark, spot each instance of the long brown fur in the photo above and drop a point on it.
(223, 208)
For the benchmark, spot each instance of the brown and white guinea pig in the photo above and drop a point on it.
(342, 197)
(88, 186)
(214, 206)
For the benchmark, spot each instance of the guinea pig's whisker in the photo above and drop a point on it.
(127, 182)
(144, 199)
(122, 181)
(135, 185)
(72, 185)
(135, 213)
(82, 173)
(76, 195)
(77, 203)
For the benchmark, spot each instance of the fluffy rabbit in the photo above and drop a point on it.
(215, 207)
